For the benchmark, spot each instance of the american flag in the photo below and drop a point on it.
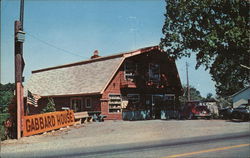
(32, 99)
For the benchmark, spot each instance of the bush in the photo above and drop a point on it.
(50, 106)
(3, 117)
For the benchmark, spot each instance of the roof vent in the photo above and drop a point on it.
(96, 54)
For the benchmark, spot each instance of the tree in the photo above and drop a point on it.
(6, 95)
(50, 106)
(217, 32)
(209, 96)
(194, 94)
(224, 102)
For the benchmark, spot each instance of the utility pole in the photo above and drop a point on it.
(188, 89)
(19, 66)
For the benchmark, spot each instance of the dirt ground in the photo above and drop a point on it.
(121, 132)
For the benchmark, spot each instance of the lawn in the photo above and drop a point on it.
(3, 117)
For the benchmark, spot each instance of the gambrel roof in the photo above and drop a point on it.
(85, 77)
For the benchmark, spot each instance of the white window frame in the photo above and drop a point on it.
(71, 101)
(90, 101)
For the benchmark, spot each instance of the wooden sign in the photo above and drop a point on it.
(40, 123)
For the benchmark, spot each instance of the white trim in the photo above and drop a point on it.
(113, 74)
(75, 98)
(240, 91)
(85, 101)
(169, 94)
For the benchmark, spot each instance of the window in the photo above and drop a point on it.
(88, 102)
(169, 101)
(115, 103)
(130, 69)
(169, 97)
(76, 104)
(154, 72)
(133, 98)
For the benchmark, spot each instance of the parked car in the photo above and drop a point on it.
(225, 113)
(194, 110)
(242, 112)
(201, 111)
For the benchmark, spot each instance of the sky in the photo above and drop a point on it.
(65, 31)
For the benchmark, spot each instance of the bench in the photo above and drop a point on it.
(97, 116)
(101, 118)
(82, 117)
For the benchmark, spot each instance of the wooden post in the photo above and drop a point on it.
(19, 65)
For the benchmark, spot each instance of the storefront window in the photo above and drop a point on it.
(169, 97)
(170, 101)
(133, 100)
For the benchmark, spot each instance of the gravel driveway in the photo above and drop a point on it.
(121, 132)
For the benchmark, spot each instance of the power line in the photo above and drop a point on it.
(244, 66)
(51, 45)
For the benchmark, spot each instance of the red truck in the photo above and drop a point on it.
(194, 110)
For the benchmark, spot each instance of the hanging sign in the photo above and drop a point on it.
(40, 123)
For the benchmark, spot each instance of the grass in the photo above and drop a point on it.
(3, 117)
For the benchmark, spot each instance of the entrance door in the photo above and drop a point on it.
(76, 104)
(156, 106)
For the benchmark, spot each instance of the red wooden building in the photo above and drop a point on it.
(144, 79)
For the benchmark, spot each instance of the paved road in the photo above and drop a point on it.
(230, 145)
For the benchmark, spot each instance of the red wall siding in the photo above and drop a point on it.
(113, 88)
(119, 85)
(95, 103)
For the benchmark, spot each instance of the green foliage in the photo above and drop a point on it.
(224, 102)
(6, 95)
(209, 96)
(50, 106)
(7, 87)
(217, 32)
(4, 109)
(3, 117)
(194, 94)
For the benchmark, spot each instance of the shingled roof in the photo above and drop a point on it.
(86, 77)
